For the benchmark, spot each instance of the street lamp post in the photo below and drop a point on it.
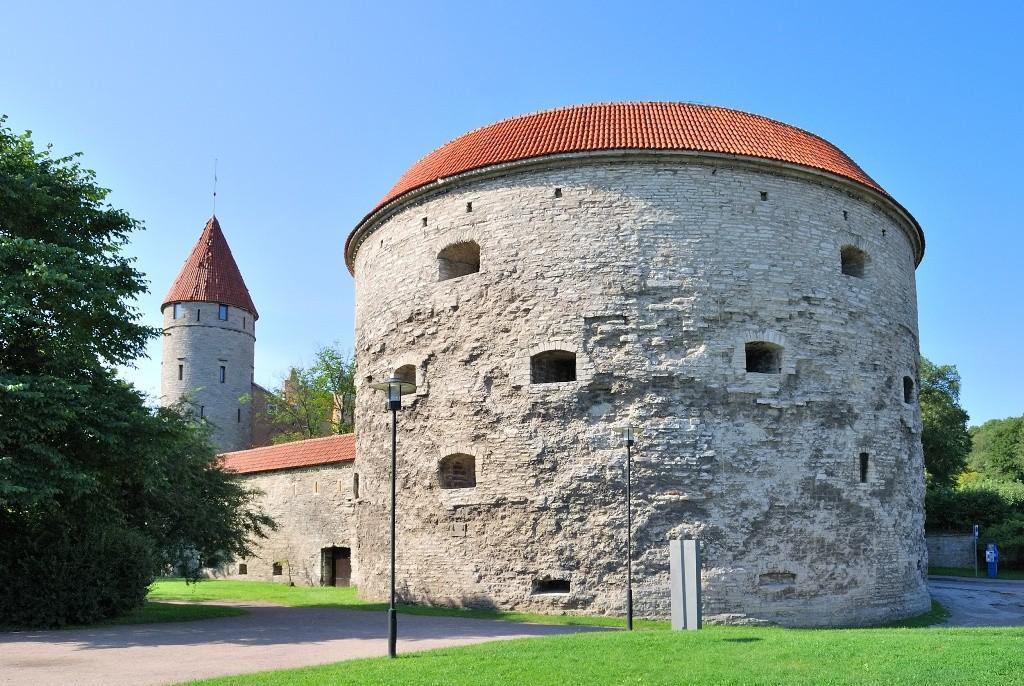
(627, 436)
(395, 389)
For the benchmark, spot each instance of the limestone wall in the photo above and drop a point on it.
(201, 343)
(951, 550)
(655, 271)
(313, 508)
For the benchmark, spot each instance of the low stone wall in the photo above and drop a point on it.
(313, 510)
(950, 550)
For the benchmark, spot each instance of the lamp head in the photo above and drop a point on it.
(395, 389)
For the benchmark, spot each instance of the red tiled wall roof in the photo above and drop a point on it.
(307, 453)
(210, 274)
(631, 125)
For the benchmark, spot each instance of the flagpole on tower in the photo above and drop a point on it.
(215, 186)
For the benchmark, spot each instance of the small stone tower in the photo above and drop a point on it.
(209, 340)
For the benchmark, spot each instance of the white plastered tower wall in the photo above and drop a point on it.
(196, 345)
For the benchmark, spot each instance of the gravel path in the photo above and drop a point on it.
(269, 637)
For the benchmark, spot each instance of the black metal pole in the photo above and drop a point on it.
(392, 614)
(629, 539)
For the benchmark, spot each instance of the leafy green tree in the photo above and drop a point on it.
(315, 401)
(98, 492)
(997, 450)
(945, 438)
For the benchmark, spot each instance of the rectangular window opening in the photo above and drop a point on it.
(550, 586)
(222, 313)
(181, 371)
(202, 411)
(223, 373)
(277, 569)
(239, 420)
(176, 310)
(243, 568)
(864, 468)
(558, 192)
(469, 207)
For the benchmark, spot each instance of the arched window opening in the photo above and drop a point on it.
(553, 366)
(406, 373)
(458, 260)
(458, 471)
(854, 260)
(764, 357)
(908, 390)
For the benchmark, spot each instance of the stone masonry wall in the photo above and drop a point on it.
(655, 271)
(313, 508)
(201, 343)
(951, 550)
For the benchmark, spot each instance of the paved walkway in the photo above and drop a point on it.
(979, 602)
(266, 638)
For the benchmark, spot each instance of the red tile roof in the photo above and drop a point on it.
(210, 274)
(307, 453)
(627, 126)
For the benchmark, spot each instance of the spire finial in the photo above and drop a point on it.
(214, 186)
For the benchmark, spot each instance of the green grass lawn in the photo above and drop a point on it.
(969, 571)
(715, 655)
(328, 596)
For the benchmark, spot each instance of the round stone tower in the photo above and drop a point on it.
(736, 289)
(209, 340)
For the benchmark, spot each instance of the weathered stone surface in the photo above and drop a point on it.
(655, 271)
(313, 508)
(951, 550)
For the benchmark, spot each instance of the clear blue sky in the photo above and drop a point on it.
(314, 110)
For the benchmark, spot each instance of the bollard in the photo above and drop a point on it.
(685, 591)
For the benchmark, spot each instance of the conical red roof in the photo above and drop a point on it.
(210, 274)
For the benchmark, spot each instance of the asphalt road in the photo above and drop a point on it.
(979, 602)
(269, 637)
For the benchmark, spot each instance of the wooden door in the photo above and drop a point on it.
(342, 567)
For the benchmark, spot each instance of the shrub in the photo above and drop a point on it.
(72, 574)
(947, 509)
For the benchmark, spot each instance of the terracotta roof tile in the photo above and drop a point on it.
(210, 274)
(630, 125)
(307, 453)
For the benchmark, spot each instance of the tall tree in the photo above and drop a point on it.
(945, 437)
(98, 492)
(314, 401)
(997, 450)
